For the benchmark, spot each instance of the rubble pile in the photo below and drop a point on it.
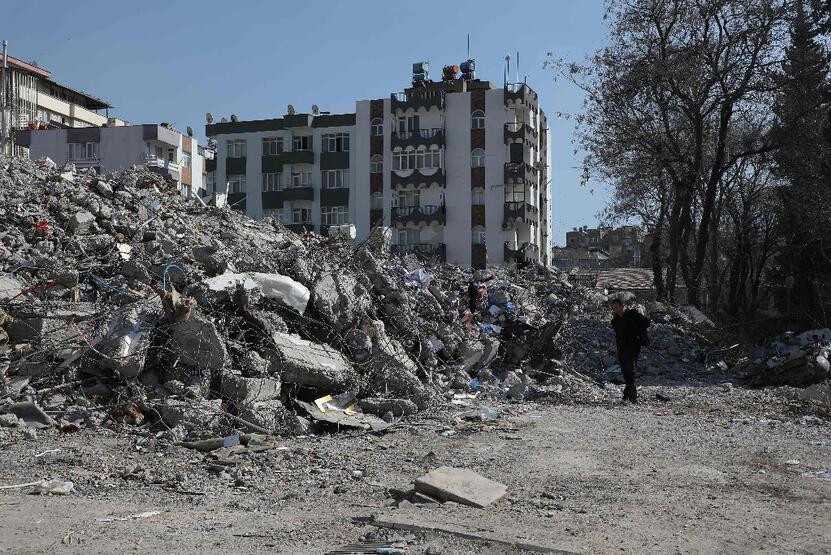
(122, 303)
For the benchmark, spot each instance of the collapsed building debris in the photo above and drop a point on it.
(123, 303)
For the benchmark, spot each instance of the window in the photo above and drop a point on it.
(376, 202)
(272, 146)
(409, 236)
(514, 192)
(376, 164)
(432, 158)
(187, 160)
(301, 216)
(302, 143)
(209, 182)
(271, 182)
(478, 195)
(171, 155)
(336, 142)
(236, 183)
(477, 120)
(335, 179)
(408, 199)
(377, 127)
(237, 149)
(159, 152)
(83, 151)
(334, 215)
(478, 235)
(301, 179)
(477, 158)
(408, 123)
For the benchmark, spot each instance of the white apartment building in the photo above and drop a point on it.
(32, 99)
(161, 148)
(456, 169)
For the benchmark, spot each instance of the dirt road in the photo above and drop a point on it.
(688, 476)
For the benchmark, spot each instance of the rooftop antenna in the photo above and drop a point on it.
(209, 118)
(517, 66)
(507, 68)
(468, 46)
(315, 110)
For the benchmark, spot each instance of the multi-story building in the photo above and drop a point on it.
(160, 147)
(625, 245)
(33, 100)
(456, 169)
(590, 258)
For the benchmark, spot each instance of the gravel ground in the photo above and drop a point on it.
(705, 472)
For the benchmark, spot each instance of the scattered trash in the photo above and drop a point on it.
(488, 414)
(818, 474)
(792, 462)
(137, 516)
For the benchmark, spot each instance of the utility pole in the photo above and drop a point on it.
(3, 98)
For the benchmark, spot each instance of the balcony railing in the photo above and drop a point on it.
(427, 214)
(519, 132)
(418, 178)
(417, 99)
(422, 250)
(430, 136)
(518, 211)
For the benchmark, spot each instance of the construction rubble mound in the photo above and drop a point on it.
(123, 303)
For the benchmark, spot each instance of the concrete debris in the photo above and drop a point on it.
(461, 486)
(195, 321)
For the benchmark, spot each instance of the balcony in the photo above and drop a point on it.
(418, 179)
(419, 137)
(161, 166)
(518, 212)
(520, 173)
(428, 214)
(519, 93)
(422, 250)
(526, 253)
(298, 157)
(417, 99)
(299, 192)
(520, 132)
(334, 160)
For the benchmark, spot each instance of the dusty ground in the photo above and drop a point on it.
(687, 476)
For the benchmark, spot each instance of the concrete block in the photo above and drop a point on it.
(198, 345)
(80, 222)
(249, 390)
(460, 485)
(311, 364)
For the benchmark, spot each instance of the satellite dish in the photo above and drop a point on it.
(223, 120)
(209, 118)
(290, 110)
(315, 109)
(190, 131)
(234, 118)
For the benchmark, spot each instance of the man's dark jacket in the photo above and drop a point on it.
(630, 329)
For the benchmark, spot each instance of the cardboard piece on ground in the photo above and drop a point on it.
(460, 485)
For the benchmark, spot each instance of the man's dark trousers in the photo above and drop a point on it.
(628, 360)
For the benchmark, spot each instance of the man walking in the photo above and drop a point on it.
(630, 332)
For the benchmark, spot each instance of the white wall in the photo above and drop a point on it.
(359, 163)
(121, 147)
(457, 170)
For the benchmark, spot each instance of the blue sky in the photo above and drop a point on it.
(174, 60)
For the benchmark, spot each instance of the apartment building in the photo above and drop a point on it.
(625, 245)
(456, 169)
(161, 148)
(32, 99)
(298, 169)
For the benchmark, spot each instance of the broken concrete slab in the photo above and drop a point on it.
(197, 344)
(31, 414)
(310, 364)
(380, 406)
(10, 287)
(124, 348)
(80, 222)
(460, 485)
(245, 391)
(341, 300)
(273, 285)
